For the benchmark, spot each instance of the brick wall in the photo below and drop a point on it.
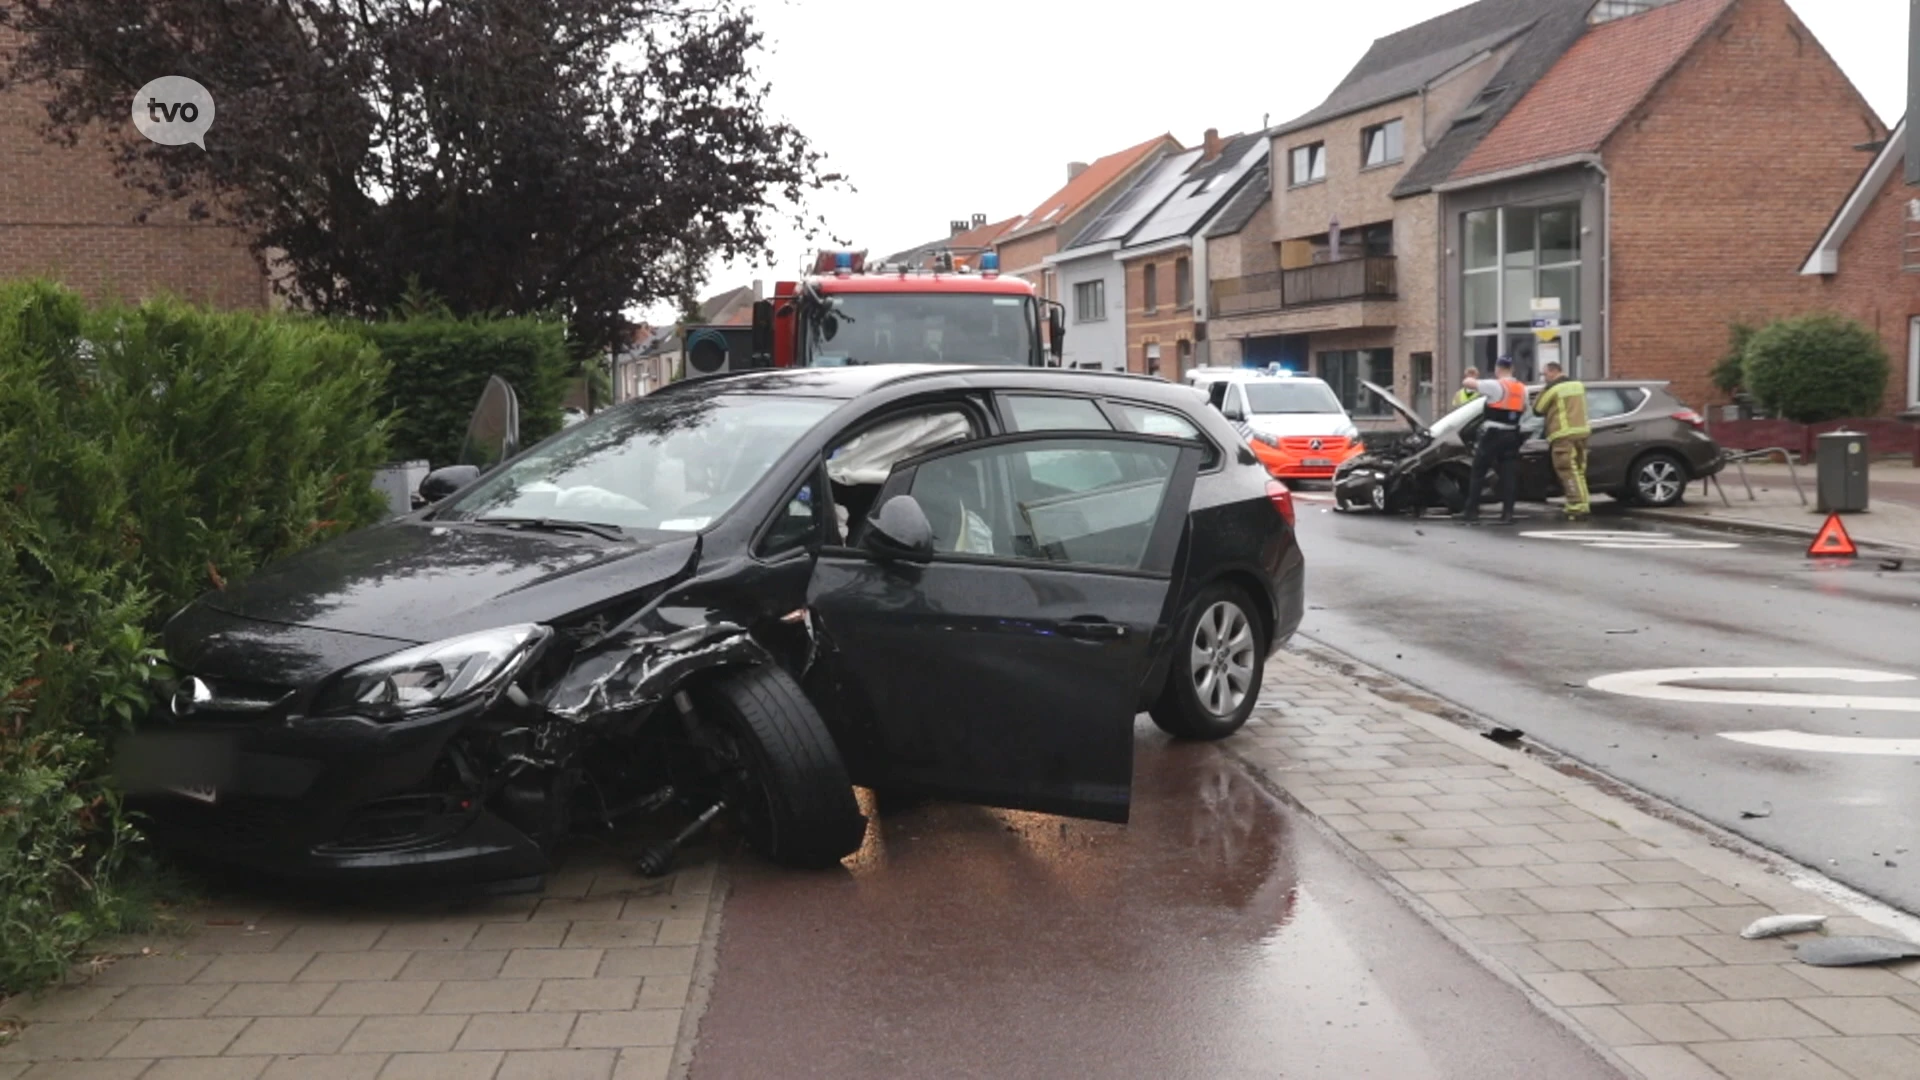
(1722, 182)
(1167, 326)
(1872, 288)
(64, 215)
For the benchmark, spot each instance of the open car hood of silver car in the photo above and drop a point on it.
(1398, 406)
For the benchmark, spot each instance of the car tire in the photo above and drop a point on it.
(800, 809)
(1658, 478)
(1221, 622)
(1450, 483)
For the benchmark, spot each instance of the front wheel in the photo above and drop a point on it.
(783, 777)
(1220, 653)
(1658, 479)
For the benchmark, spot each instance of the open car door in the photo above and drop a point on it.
(1002, 662)
(493, 432)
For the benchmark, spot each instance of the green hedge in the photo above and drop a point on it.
(440, 364)
(146, 454)
(1816, 368)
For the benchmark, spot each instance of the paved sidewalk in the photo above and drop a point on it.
(1624, 925)
(590, 980)
(1891, 521)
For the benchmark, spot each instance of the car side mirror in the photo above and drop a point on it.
(1057, 330)
(900, 532)
(1231, 410)
(446, 480)
(762, 333)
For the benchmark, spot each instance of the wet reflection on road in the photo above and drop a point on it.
(1215, 936)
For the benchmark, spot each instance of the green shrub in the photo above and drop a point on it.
(440, 365)
(1816, 368)
(1729, 374)
(144, 452)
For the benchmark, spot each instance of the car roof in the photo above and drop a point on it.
(1250, 375)
(851, 382)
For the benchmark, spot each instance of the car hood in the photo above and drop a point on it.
(1284, 424)
(1401, 407)
(418, 581)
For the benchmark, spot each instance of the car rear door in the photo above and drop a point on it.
(1005, 669)
(1620, 432)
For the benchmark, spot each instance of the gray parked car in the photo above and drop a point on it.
(1645, 448)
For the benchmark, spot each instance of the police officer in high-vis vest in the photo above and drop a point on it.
(1564, 405)
(1500, 439)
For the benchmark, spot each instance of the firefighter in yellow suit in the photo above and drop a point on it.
(1564, 406)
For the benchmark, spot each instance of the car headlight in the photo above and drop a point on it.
(1351, 431)
(435, 676)
(1263, 439)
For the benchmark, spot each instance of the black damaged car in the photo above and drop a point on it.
(737, 596)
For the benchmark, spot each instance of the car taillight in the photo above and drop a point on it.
(1282, 498)
(1688, 416)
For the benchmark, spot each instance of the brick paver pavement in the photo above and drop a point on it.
(591, 979)
(1624, 925)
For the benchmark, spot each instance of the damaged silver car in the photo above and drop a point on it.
(734, 598)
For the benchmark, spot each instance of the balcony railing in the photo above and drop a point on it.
(1367, 278)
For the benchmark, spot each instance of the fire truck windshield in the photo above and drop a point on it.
(922, 328)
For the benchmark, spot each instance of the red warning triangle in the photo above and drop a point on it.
(1832, 540)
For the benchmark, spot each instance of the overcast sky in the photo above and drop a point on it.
(941, 111)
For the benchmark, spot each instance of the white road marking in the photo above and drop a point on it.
(1658, 685)
(1631, 541)
(1826, 744)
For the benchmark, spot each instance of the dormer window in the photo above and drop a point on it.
(1478, 107)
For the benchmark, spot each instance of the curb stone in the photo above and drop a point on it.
(1626, 925)
(1773, 528)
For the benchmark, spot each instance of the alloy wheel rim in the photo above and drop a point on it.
(1379, 497)
(1221, 658)
(1659, 479)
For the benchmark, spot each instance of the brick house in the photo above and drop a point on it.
(1325, 271)
(1164, 258)
(64, 216)
(967, 239)
(1867, 265)
(1660, 180)
(1024, 247)
(1092, 283)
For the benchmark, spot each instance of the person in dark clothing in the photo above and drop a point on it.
(1500, 440)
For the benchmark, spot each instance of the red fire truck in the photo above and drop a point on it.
(847, 314)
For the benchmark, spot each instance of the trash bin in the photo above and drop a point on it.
(1842, 463)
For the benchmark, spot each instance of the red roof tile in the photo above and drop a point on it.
(1083, 188)
(1590, 91)
(982, 237)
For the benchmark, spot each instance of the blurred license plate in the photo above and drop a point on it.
(205, 793)
(1319, 463)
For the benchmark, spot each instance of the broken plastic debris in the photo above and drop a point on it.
(1775, 925)
(1766, 810)
(1892, 564)
(1505, 735)
(1851, 951)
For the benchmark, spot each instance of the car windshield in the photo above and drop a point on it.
(1279, 396)
(922, 328)
(671, 462)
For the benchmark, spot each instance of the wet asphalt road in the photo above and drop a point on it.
(1514, 627)
(1215, 936)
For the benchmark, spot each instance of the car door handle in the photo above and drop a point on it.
(1092, 628)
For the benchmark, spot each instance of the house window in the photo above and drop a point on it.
(1345, 370)
(1478, 107)
(1309, 164)
(1182, 283)
(1152, 355)
(1150, 287)
(1382, 144)
(1511, 256)
(1913, 362)
(1609, 10)
(1185, 352)
(1090, 301)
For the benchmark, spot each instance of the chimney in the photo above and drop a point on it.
(1213, 145)
(956, 226)
(979, 221)
(1074, 169)
(759, 290)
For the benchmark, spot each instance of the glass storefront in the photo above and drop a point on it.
(1514, 255)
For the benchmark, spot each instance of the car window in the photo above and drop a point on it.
(1269, 396)
(1602, 404)
(862, 461)
(1150, 421)
(1047, 413)
(1092, 503)
(793, 525)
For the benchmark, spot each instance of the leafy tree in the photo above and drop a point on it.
(1816, 368)
(1730, 373)
(564, 157)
